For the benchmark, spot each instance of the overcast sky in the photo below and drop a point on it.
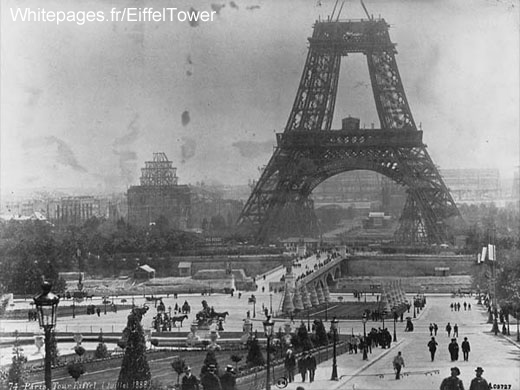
(86, 105)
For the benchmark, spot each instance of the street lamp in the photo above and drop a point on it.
(334, 328)
(517, 326)
(395, 320)
(46, 308)
(268, 330)
(327, 311)
(414, 308)
(365, 357)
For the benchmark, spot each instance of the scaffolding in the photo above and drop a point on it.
(159, 172)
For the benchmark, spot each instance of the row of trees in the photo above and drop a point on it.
(499, 226)
(30, 249)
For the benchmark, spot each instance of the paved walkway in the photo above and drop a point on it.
(498, 355)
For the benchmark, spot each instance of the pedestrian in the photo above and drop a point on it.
(469, 306)
(455, 330)
(465, 305)
(479, 383)
(210, 381)
(435, 329)
(452, 382)
(431, 329)
(228, 380)
(302, 367)
(458, 306)
(189, 381)
(448, 329)
(311, 365)
(453, 348)
(451, 306)
(465, 349)
(290, 365)
(432, 346)
(98, 311)
(398, 363)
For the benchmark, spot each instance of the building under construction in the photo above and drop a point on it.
(159, 197)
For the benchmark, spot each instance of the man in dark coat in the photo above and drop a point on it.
(432, 346)
(189, 381)
(453, 348)
(455, 330)
(465, 349)
(302, 367)
(452, 382)
(290, 365)
(210, 380)
(311, 365)
(448, 329)
(228, 380)
(479, 383)
(435, 329)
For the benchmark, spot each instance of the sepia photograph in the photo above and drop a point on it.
(259, 194)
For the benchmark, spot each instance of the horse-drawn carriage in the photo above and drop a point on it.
(208, 316)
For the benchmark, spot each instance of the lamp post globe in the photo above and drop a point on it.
(365, 356)
(268, 330)
(46, 308)
(334, 329)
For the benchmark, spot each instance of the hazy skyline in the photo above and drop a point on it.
(86, 105)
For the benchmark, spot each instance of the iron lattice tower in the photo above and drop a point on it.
(309, 152)
(158, 172)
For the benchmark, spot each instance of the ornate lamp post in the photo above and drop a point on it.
(46, 307)
(365, 357)
(414, 308)
(268, 330)
(395, 320)
(517, 326)
(334, 329)
(327, 311)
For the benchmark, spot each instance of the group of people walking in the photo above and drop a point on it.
(453, 349)
(306, 363)
(210, 380)
(455, 306)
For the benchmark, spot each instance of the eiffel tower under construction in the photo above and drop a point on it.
(308, 151)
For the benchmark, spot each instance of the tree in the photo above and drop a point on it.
(179, 366)
(75, 370)
(320, 333)
(236, 359)
(80, 351)
(303, 338)
(135, 371)
(254, 354)
(210, 359)
(16, 375)
(101, 350)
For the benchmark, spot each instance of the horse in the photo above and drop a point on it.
(220, 315)
(178, 319)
